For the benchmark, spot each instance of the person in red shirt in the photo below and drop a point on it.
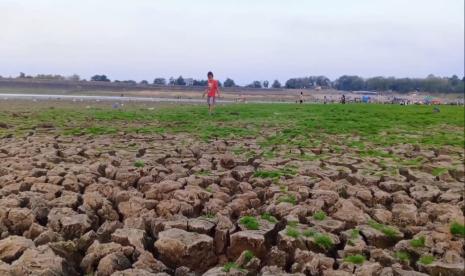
(212, 92)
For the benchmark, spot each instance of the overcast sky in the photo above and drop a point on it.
(241, 39)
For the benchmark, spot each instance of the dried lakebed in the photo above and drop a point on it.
(174, 204)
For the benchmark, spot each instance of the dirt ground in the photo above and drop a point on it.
(170, 203)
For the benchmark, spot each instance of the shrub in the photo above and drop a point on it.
(426, 260)
(269, 217)
(457, 229)
(249, 222)
(355, 259)
(319, 215)
(420, 242)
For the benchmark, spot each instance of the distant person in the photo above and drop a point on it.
(301, 97)
(325, 100)
(343, 99)
(212, 92)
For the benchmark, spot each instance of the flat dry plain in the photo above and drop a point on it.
(255, 189)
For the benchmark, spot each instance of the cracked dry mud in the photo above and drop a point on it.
(171, 205)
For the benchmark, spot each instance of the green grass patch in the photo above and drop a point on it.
(319, 215)
(203, 173)
(323, 241)
(292, 232)
(386, 230)
(426, 260)
(229, 266)
(248, 256)
(269, 217)
(457, 229)
(416, 162)
(375, 153)
(288, 198)
(356, 144)
(403, 256)
(309, 233)
(250, 223)
(95, 131)
(286, 172)
(209, 215)
(419, 242)
(283, 189)
(139, 164)
(439, 171)
(354, 234)
(267, 174)
(355, 259)
(274, 124)
(292, 223)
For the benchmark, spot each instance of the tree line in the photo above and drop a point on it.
(346, 83)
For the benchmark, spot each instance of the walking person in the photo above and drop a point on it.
(212, 92)
(301, 97)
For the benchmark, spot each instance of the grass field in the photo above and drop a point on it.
(300, 132)
(273, 124)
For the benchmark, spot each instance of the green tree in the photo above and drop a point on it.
(130, 82)
(350, 83)
(265, 84)
(454, 80)
(100, 78)
(322, 81)
(276, 84)
(180, 81)
(255, 84)
(74, 77)
(200, 83)
(229, 83)
(159, 81)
